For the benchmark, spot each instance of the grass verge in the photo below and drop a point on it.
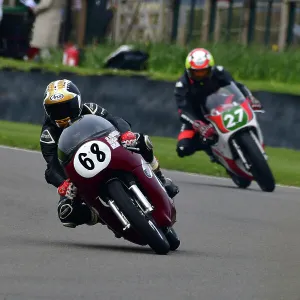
(258, 67)
(253, 62)
(265, 85)
(285, 163)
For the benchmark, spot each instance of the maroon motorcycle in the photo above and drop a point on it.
(118, 183)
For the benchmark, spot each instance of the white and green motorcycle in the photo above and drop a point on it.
(239, 147)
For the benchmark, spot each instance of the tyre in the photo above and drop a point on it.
(144, 225)
(242, 183)
(259, 166)
(172, 238)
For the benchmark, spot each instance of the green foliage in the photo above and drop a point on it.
(258, 67)
(247, 63)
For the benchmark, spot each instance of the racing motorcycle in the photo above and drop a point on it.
(239, 145)
(118, 183)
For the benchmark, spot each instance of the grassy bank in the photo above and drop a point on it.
(255, 63)
(257, 67)
(284, 163)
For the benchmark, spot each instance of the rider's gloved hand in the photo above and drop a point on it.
(67, 189)
(207, 131)
(128, 139)
(255, 103)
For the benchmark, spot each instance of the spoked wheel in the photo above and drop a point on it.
(141, 223)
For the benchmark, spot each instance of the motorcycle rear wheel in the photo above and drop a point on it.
(141, 223)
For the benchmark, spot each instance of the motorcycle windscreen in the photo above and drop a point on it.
(85, 128)
(224, 99)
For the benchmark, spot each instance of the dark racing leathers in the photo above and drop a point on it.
(190, 96)
(75, 212)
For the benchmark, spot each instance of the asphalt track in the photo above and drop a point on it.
(236, 244)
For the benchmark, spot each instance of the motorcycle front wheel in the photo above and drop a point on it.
(240, 182)
(141, 223)
(259, 166)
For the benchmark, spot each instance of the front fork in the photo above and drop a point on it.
(241, 154)
(142, 201)
(258, 144)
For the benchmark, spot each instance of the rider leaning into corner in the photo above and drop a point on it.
(201, 78)
(60, 113)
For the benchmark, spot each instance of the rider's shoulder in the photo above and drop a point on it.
(182, 81)
(94, 109)
(48, 134)
(221, 73)
(218, 69)
(90, 108)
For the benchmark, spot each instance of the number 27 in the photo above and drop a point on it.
(231, 117)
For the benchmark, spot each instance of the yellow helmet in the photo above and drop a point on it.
(62, 102)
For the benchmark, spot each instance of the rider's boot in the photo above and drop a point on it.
(171, 188)
(94, 217)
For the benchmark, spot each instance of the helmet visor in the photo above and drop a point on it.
(200, 74)
(62, 113)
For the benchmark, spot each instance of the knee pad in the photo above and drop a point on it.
(146, 147)
(144, 141)
(181, 151)
(73, 213)
(184, 150)
(148, 142)
(64, 209)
